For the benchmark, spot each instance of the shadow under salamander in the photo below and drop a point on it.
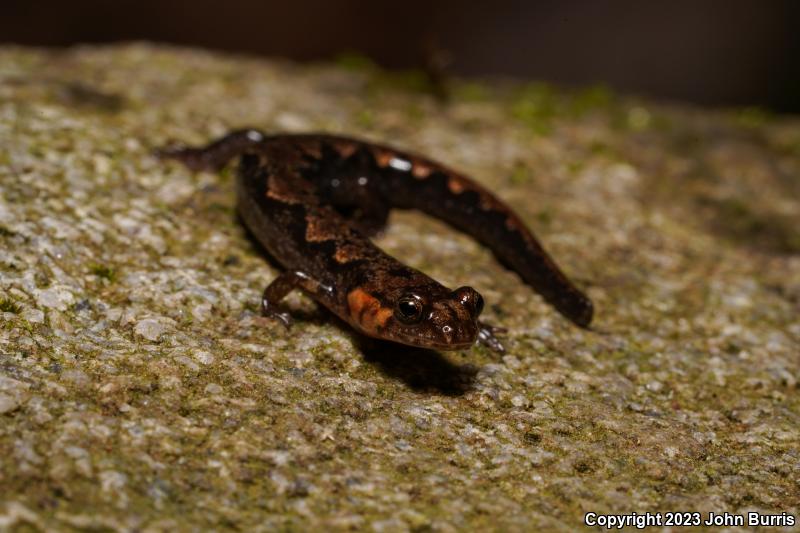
(422, 370)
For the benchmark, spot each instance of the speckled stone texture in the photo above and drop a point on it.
(140, 390)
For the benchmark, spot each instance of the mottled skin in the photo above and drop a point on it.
(313, 201)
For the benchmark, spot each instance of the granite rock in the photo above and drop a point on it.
(141, 391)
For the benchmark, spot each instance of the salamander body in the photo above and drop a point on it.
(314, 200)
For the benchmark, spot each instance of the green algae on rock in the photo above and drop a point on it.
(140, 390)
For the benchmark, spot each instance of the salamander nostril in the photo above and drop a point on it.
(448, 333)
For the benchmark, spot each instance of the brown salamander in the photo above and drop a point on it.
(313, 201)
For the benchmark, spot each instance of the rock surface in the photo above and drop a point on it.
(140, 390)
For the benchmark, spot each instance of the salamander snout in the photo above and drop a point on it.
(453, 325)
(454, 319)
(470, 299)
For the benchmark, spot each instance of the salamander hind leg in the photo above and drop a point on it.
(214, 156)
(286, 283)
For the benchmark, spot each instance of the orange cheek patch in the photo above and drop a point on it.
(383, 315)
(366, 310)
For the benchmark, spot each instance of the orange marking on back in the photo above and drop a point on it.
(345, 149)
(514, 224)
(313, 149)
(421, 170)
(277, 190)
(318, 230)
(487, 203)
(383, 157)
(346, 253)
(285, 198)
(455, 185)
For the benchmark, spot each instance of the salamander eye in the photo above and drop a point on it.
(409, 309)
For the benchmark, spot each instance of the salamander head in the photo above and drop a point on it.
(447, 321)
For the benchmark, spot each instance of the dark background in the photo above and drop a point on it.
(718, 53)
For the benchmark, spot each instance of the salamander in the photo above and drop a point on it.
(314, 201)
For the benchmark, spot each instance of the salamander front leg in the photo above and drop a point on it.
(215, 155)
(486, 336)
(286, 283)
